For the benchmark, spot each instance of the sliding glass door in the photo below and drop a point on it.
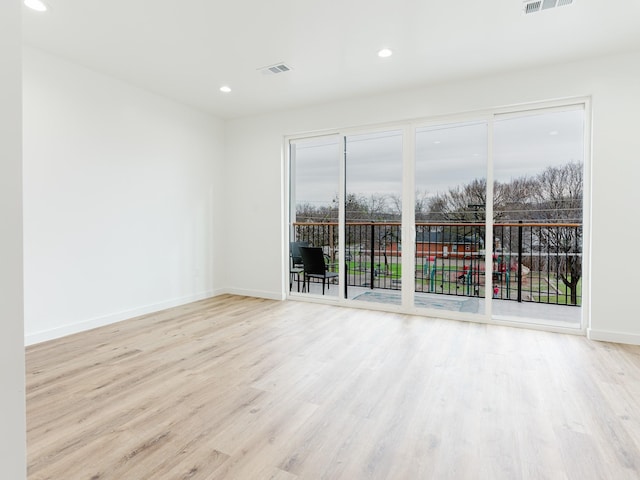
(315, 179)
(373, 210)
(450, 214)
(538, 215)
(489, 212)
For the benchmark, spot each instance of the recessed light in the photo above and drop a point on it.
(384, 53)
(225, 89)
(37, 5)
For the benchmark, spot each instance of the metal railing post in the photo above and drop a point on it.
(373, 267)
(520, 261)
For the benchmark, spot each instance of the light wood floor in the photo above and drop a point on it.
(241, 388)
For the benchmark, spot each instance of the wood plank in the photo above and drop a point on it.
(235, 387)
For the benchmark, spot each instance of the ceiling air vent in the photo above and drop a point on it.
(532, 6)
(275, 69)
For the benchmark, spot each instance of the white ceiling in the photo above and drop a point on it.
(187, 49)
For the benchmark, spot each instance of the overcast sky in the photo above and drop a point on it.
(446, 156)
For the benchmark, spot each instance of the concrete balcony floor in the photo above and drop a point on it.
(534, 313)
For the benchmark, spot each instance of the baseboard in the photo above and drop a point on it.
(219, 291)
(64, 330)
(615, 337)
(255, 293)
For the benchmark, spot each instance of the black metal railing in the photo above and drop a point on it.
(372, 253)
(449, 258)
(544, 258)
(531, 262)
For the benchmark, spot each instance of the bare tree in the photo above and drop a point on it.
(512, 200)
(558, 199)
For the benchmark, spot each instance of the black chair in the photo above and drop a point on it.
(295, 262)
(296, 256)
(315, 267)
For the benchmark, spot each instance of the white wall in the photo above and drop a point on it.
(12, 399)
(255, 181)
(120, 195)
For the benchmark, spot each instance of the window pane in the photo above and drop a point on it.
(538, 210)
(315, 179)
(451, 165)
(373, 214)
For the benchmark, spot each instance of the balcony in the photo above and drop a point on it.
(535, 268)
